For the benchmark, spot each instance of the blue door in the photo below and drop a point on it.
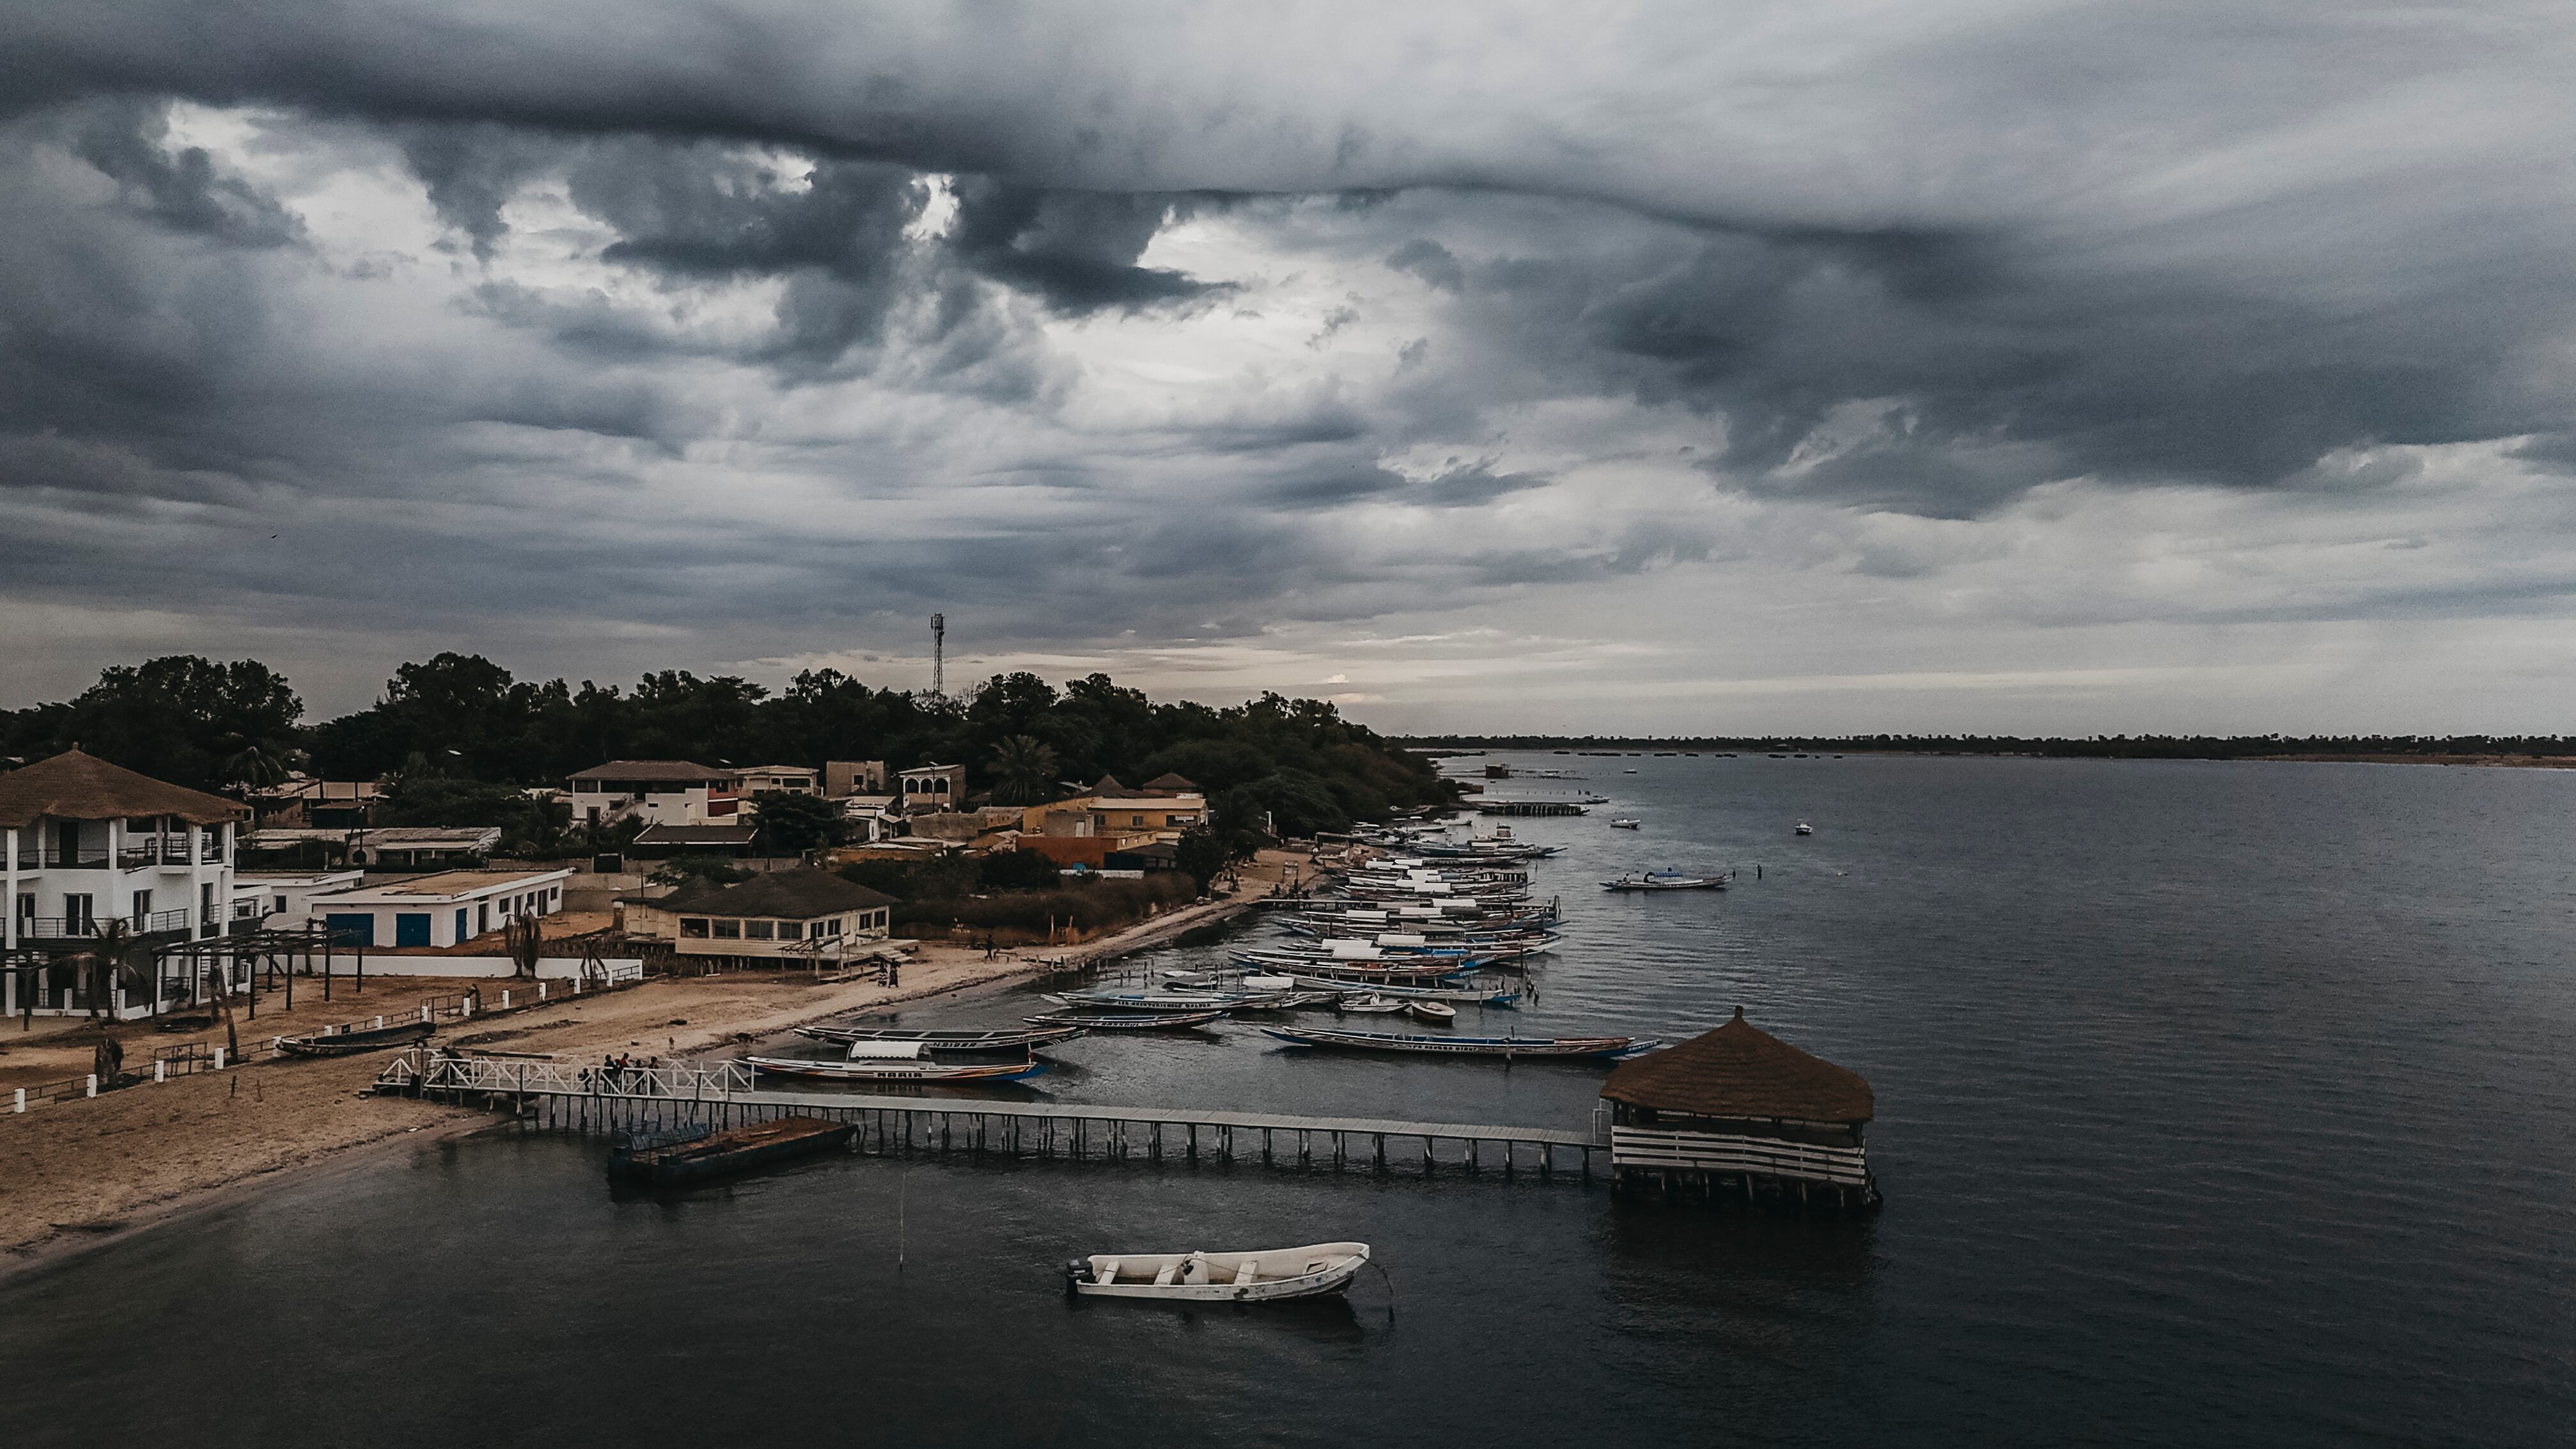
(411, 928)
(460, 923)
(351, 929)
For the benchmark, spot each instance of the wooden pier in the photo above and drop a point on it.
(559, 1095)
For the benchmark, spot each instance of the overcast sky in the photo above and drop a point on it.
(2025, 367)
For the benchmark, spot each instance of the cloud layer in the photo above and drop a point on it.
(1235, 350)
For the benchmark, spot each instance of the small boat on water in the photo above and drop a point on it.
(945, 1041)
(892, 1061)
(669, 1159)
(1262, 1277)
(1141, 1021)
(1438, 1013)
(350, 1043)
(1627, 823)
(1665, 880)
(1467, 995)
(1136, 1001)
(1805, 829)
(1461, 1046)
(1370, 1005)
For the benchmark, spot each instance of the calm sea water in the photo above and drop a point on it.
(2219, 1104)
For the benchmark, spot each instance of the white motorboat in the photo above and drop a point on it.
(1262, 1277)
(1805, 829)
(1624, 823)
(1440, 1012)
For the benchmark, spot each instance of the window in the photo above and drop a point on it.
(728, 930)
(693, 927)
(142, 911)
(77, 920)
(280, 905)
(831, 927)
(758, 930)
(793, 931)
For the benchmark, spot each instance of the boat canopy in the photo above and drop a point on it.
(885, 1051)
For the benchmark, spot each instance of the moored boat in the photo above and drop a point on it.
(1370, 1004)
(1138, 1021)
(686, 1158)
(350, 1043)
(893, 1061)
(1439, 1013)
(1477, 1046)
(945, 1041)
(1258, 1277)
(1664, 880)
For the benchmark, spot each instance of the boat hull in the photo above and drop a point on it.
(1459, 1046)
(350, 1043)
(891, 1071)
(1309, 1272)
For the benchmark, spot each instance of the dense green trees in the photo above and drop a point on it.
(456, 729)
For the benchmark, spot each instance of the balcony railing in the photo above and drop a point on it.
(74, 928)
(143, 854)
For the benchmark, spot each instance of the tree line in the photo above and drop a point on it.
(2117, 747)
(458, 737)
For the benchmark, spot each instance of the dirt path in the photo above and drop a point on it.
(73, 1174)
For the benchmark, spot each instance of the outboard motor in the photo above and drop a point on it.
(1076, 1270)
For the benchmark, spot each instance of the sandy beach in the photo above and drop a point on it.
(78, 1173)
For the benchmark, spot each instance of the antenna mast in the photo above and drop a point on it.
(939, 655)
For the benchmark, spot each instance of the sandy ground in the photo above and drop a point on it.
(75, 1173)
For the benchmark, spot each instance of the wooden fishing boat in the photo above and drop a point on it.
(1439, 1013)
(945, 1041)
(674, 1159)
(1135, 1001)
(1624, 823)
(350, 1043)
(1460, 1046)
(1262, 1277)
(893, 1061)
(1664, 880)
(1141, 1021)
(1469, 995)
(1371, 1004)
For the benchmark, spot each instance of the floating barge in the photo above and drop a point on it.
(673, 1160)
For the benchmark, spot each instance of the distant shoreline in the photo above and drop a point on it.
(2559, 757)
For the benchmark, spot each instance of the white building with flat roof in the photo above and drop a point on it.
(446, 909)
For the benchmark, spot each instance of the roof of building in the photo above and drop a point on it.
(796, 895)
(664, 834)
(453, 883)
(430, 837)
(77, 786)
(1108, 785)
(673, 771)
(925, 769)
(778, 770)
(1169, 781)
(1740, 1070)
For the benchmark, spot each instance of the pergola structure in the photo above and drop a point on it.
(276, 953)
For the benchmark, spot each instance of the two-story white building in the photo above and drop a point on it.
(658, 792)
(84, 842)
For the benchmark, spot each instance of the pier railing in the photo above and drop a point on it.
(431, 1069)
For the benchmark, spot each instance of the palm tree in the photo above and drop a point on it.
(252, 767)
(521, 939)
(105, 966)
(1023, 769)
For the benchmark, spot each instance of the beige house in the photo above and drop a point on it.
(784, 779)
(788, 916)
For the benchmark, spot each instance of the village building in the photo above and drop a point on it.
(84, 842)
(845, 778)
(871, 818)
(1131, 815)
(285, 898)
(1067, 819)
(393, 847)
(927, 788)
(300, 803)
(1737, 1111)
(445, 909)
(781, 779)
(658, 792)
(788, 916)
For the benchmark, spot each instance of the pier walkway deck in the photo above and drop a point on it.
(556, 1094)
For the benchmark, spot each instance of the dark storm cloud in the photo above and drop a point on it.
(1076, 249)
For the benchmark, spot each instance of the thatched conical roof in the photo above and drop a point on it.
(1740, 1070)
(77, 786)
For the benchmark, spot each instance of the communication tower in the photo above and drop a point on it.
(939, 655)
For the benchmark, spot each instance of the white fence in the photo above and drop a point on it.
(1727, 1152)
(434, 1070)
(491, 968)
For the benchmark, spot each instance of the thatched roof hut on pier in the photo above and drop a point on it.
(1737, 1110)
